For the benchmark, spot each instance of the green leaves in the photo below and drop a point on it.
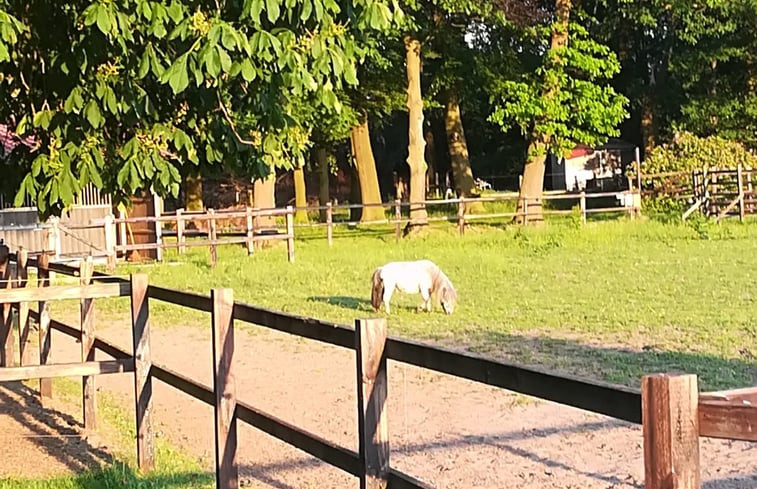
(93, 114)
(272, 10)
(176, 74)
(132, 92)
(569, 101)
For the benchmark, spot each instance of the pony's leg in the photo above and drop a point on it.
(426, 295)
(387, 297)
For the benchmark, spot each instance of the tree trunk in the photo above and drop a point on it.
(415, 160)
(193, 193)
(300, 195)
(362, 155)
(532, 186)
(648, 124)
(264, 197)
(458, 153)
(322, 160)
(430, 155)
(355, 212)
(533, 183)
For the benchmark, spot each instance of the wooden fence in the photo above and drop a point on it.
(673, 413)
(629, 204)
(715, 193)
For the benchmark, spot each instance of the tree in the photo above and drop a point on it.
(300, 194)
(416, 144)
(561, 102)
(123, 93)
(362, 156)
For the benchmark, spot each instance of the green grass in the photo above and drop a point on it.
(173, 468)
(612, 300)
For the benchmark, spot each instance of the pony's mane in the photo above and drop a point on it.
(440, 280)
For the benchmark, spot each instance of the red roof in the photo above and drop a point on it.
(581, 150)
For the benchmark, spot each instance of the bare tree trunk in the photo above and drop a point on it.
(362, 154)
(300, 195)
(532, 186)
(458, 152)
(193, 193)
(322, 161)
(648, 125)
(415, 160)
(355, 212)
(430, 155)
(264, 198)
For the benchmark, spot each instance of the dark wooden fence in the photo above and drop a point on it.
(673, 413)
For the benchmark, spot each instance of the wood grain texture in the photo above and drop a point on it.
(670, 405)
(87, 310)
(12, 374)
(142, 379)
(373, 428)
(224, 387)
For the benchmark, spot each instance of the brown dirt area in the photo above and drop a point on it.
(449, 432)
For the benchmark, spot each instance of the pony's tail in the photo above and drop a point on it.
(377, 289)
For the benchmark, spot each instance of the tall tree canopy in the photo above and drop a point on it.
(121, 93)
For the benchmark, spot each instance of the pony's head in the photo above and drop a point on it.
(448, 298)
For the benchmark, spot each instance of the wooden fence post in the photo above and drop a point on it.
(110, 241)
(156, 205)
(398, 219)
(582, 204)
(290, 233)
(142, 379)
(43, 280)
(670, 418)
(329, 223)
(461, 216)
(122, 229)
(373, 428)
(55, 237)
(224, 387)
(525, 209)
(740, 183)
(213, 233)
(250, 242)
(87, 309)
(180, 226)
(24, 327)
(6, 325)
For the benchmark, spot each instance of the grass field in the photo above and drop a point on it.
(612, 300)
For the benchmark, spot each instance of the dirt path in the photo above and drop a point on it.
(41, 442)
(449, 432)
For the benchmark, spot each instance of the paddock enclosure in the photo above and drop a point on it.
(672, 412)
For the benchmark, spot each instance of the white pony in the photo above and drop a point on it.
(412, 277)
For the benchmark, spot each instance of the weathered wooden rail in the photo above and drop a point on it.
(673, 413)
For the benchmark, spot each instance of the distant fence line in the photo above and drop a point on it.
(246, 226)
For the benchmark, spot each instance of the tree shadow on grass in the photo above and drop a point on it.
(615, 364)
